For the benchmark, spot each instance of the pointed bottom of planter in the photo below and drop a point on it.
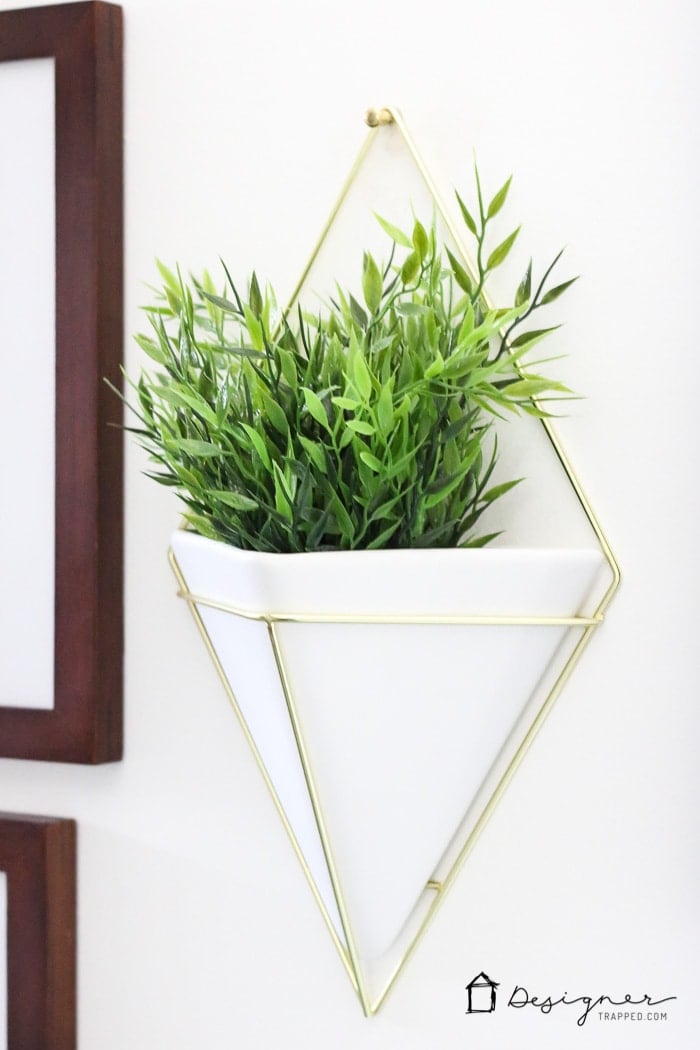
(388, 697)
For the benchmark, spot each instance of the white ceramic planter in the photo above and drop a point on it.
(407, 726)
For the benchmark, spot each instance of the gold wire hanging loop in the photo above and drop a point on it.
(375, 118)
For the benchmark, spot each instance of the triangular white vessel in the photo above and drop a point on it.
(386, 693)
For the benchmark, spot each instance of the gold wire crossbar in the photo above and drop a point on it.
(392, 618)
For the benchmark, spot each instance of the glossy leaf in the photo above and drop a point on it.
(348, 403)
(525, 287)
(314, 452)
(554, 293)
(223, 304)
(461, 276)
(358, 314)
(361, 376)
(530, 338)
(258, 444)
(410, 268)
(420, 240)
(372, 284)
(360, 426)
(499, 254)
(315, 406)
(372, 462)
(499, 199)
(385, 410)
(397, 236)
(466, 215)
(255, 297)
(233, 499)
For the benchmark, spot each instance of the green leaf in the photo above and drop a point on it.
(258, 444)
(196, 403)
(315, 407)
(169, 277)
(499, 199)
(385, 410)
(479, 196)
(394, 232)
(466, 215)
(533, 387)
(224, 304)
(193, 479)
(439, 496)
(233, 499)
(420, 240)
(255, 297)
(360, 426)
(554, 293)
(411, 309)
(372, 462)
(467, 326)
(499, 254)
(275, 413)
(457, 426)
(436, 367)
(372, 284)
(530, 338)
(254, 329)
(461, 276)
(481, 541)
(289, 370)
(384, 535)
(348, 403)
(201, 525)
(193, 446)
(344, 520)
(174, 301)
(410, 268)
(499, 490)
(358, 314)
(153, 350)
(314, 452)
(523, 293)
(361, 376)
(318, 529)
(283, 500)
(384, 509)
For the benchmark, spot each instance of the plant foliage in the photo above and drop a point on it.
(369, 425)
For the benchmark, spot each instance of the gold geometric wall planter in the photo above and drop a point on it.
(346, 672)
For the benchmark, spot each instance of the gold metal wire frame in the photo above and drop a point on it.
(588, 624)
(348, 951)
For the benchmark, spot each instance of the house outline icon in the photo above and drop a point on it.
(481, 994)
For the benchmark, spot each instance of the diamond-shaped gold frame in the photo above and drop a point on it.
(588, 624)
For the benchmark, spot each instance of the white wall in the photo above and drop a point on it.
(196, 927)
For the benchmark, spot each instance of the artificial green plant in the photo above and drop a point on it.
(365, 425)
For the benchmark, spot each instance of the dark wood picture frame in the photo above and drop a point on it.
(85, 723)
(38, 855)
